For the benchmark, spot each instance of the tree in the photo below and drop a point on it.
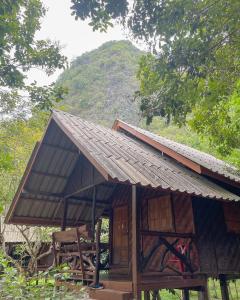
(193, 72)
(20, 51)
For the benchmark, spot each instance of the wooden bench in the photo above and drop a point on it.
(79, 250)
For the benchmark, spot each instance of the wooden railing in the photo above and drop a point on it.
(168, 252)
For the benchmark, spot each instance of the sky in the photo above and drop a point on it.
(76, 37)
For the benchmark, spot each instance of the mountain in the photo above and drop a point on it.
(101, 83)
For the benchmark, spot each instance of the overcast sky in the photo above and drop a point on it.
(76, 37)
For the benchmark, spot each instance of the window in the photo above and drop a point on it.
(232, 216)
(160, 217)
(171, 215)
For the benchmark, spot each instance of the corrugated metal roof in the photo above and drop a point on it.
(128, 160)
(12, 234)
(203, 159)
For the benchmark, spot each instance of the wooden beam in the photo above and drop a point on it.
(57, 147)
(135, 245)
(224, 287)
(72, 200)
(49, 174)
(82, 189)
(44, 222)
(167, 234)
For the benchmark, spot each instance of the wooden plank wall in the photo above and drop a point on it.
(219, 250)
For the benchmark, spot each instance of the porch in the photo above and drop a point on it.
(120, 287)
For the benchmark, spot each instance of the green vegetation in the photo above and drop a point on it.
(101, 83)
(193, 71)
(187, 136)
(20, 51)
(191, 78)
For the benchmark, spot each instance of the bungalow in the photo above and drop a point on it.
(174, 212)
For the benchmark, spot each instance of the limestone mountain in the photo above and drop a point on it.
(101, 83)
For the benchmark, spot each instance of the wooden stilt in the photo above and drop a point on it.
(224, 287)
(185, 294)
(135, 245)
(156, 295)
(203, 293)
(146, 295)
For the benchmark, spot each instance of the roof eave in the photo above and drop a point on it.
(118, 125)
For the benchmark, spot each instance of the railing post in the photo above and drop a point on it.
(65, 211)
(93, 213)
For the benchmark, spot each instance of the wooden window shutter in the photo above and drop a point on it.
(183, 214)
(232, 216)
(160, 217)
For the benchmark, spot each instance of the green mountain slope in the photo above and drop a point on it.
(102, 82)
(101, 85)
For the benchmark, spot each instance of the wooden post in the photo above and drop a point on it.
(111, 237)
(96, 283)
(93, 213)
(146, 295)
(135, 245)
(156, 295)
(224, 287)
(185, 294)
(203, 292)
(65, 211)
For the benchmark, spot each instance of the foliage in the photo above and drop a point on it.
(101, 83)
(17, 139)
(15, 285)
(195, 68)
(185, 135)
(20, 51)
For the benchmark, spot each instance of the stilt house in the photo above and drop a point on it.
(174, 212)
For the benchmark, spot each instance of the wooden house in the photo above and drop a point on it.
(174, 212)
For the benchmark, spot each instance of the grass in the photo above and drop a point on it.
(214, 292)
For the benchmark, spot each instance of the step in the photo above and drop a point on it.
(119, 285)
(109, 294)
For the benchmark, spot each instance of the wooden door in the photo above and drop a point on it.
(120, 236)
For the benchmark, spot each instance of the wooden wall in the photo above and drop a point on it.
(197, 222)
(219, 250)
(160, 211)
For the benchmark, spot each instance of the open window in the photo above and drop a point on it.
(232, 216)
(170, 213)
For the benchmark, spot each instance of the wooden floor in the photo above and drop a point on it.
(120, 287)
(124, 283)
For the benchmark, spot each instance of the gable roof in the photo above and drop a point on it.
(196, 160)
(124, 159)
(71, 143)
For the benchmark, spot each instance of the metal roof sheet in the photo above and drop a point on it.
(126, 159)
(203, 159)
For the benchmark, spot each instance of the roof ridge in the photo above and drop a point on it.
(181, 152)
